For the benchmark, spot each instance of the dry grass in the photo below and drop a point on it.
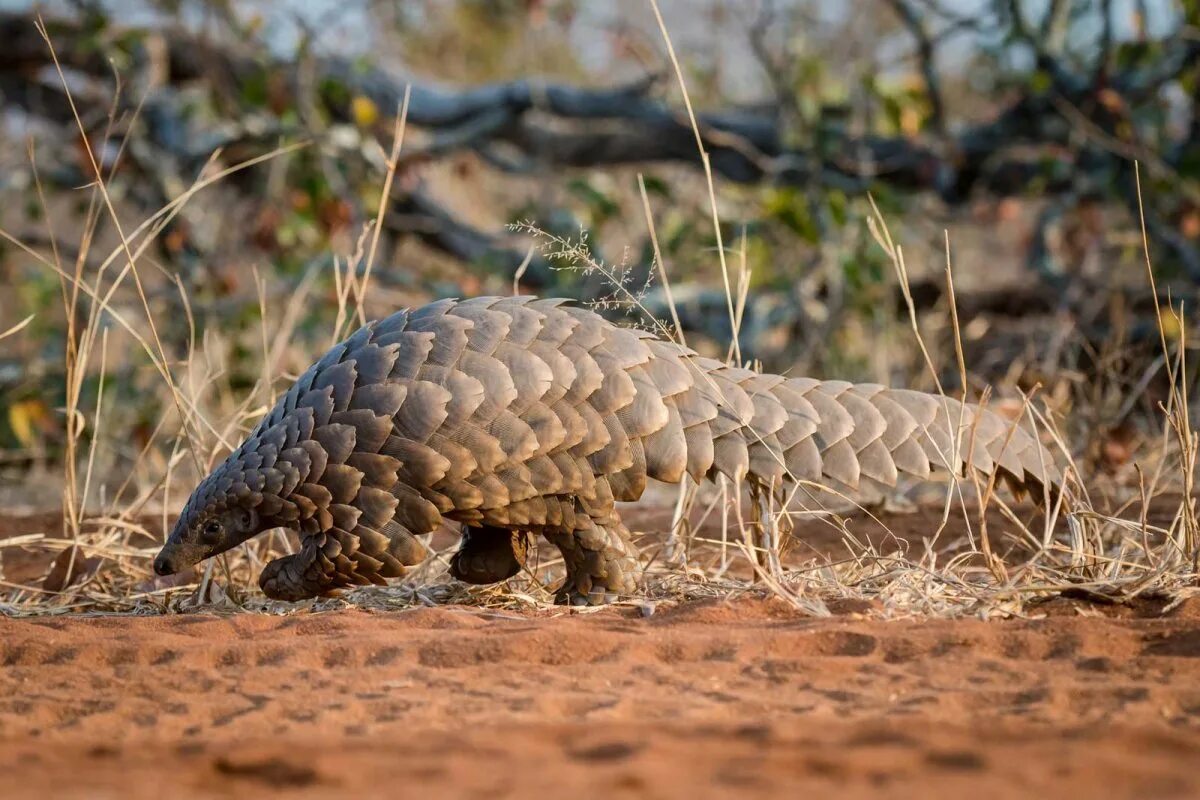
(1117, 555)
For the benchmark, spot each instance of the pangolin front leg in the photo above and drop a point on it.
(305, 574)
(327, 562)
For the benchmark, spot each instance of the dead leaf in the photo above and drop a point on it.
(27, 418)
(71, 568)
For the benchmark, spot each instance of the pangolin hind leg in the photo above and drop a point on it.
(600, 561)
(489, 555)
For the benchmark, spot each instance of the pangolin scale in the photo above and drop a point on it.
(517, 416)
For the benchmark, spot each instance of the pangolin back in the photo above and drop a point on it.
(535, 416)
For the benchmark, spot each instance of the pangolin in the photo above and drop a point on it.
(517, 416)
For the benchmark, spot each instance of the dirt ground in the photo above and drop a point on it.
(711, 698)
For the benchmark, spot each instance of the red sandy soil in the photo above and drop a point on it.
(708, 698)
(744, 698)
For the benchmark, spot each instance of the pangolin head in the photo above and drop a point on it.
(225, 510)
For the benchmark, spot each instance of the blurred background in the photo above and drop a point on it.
(547, 147)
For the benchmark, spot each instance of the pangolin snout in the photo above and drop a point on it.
(167, 562)
(163, 565)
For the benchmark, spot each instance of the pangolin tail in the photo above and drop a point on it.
(776, 431)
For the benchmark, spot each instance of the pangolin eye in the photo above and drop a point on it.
(212, 527)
